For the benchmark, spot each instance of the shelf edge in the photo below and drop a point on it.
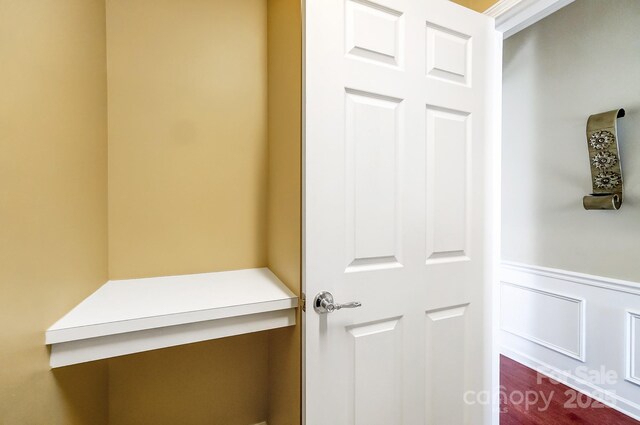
(86, 350)
(62, 335)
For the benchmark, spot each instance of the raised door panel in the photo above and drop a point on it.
(445, 366)
(374, 32)
(377, 373)
(448, 163)
(373, 134)
(448, 55)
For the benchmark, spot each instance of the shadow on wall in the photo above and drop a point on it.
(76, 384)
(182, 385)
(53, 223)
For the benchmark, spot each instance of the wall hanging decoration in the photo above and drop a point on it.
(604, 158)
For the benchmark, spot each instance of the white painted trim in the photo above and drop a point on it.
(501, 7)
(303, 217)
(630, 350)
(620, 404)
(513, 16)
(493, 284)
(619, 285)
(581, 355)
(612, 345)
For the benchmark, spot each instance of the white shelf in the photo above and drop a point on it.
(135, 315)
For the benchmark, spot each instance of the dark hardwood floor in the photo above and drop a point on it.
(528, 398)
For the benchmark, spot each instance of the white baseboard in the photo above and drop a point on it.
(610, 399)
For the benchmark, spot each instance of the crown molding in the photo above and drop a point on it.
(513, 16)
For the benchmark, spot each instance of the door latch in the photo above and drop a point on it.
(324, 303)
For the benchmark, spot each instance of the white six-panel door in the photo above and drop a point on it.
(398, 125)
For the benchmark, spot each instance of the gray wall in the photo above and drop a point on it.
(579, 61)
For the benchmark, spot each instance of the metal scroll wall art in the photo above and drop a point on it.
(604, 157)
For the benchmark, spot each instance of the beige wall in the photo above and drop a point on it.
(218, 382)
(284, 205)
(193, 186)
(579, 61)
(188, 191)
(187, 136)
(53, 194)
(477, 5)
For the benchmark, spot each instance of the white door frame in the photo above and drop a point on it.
(512, 16)
(493, 288)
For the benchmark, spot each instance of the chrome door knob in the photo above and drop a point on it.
(323, 303)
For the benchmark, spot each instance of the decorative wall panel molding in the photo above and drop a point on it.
(633, 349)
(609, 283)
(552, 320)
(610, 331)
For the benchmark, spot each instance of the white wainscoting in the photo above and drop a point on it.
(534, 315)
(582, 330)
(633, 357)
